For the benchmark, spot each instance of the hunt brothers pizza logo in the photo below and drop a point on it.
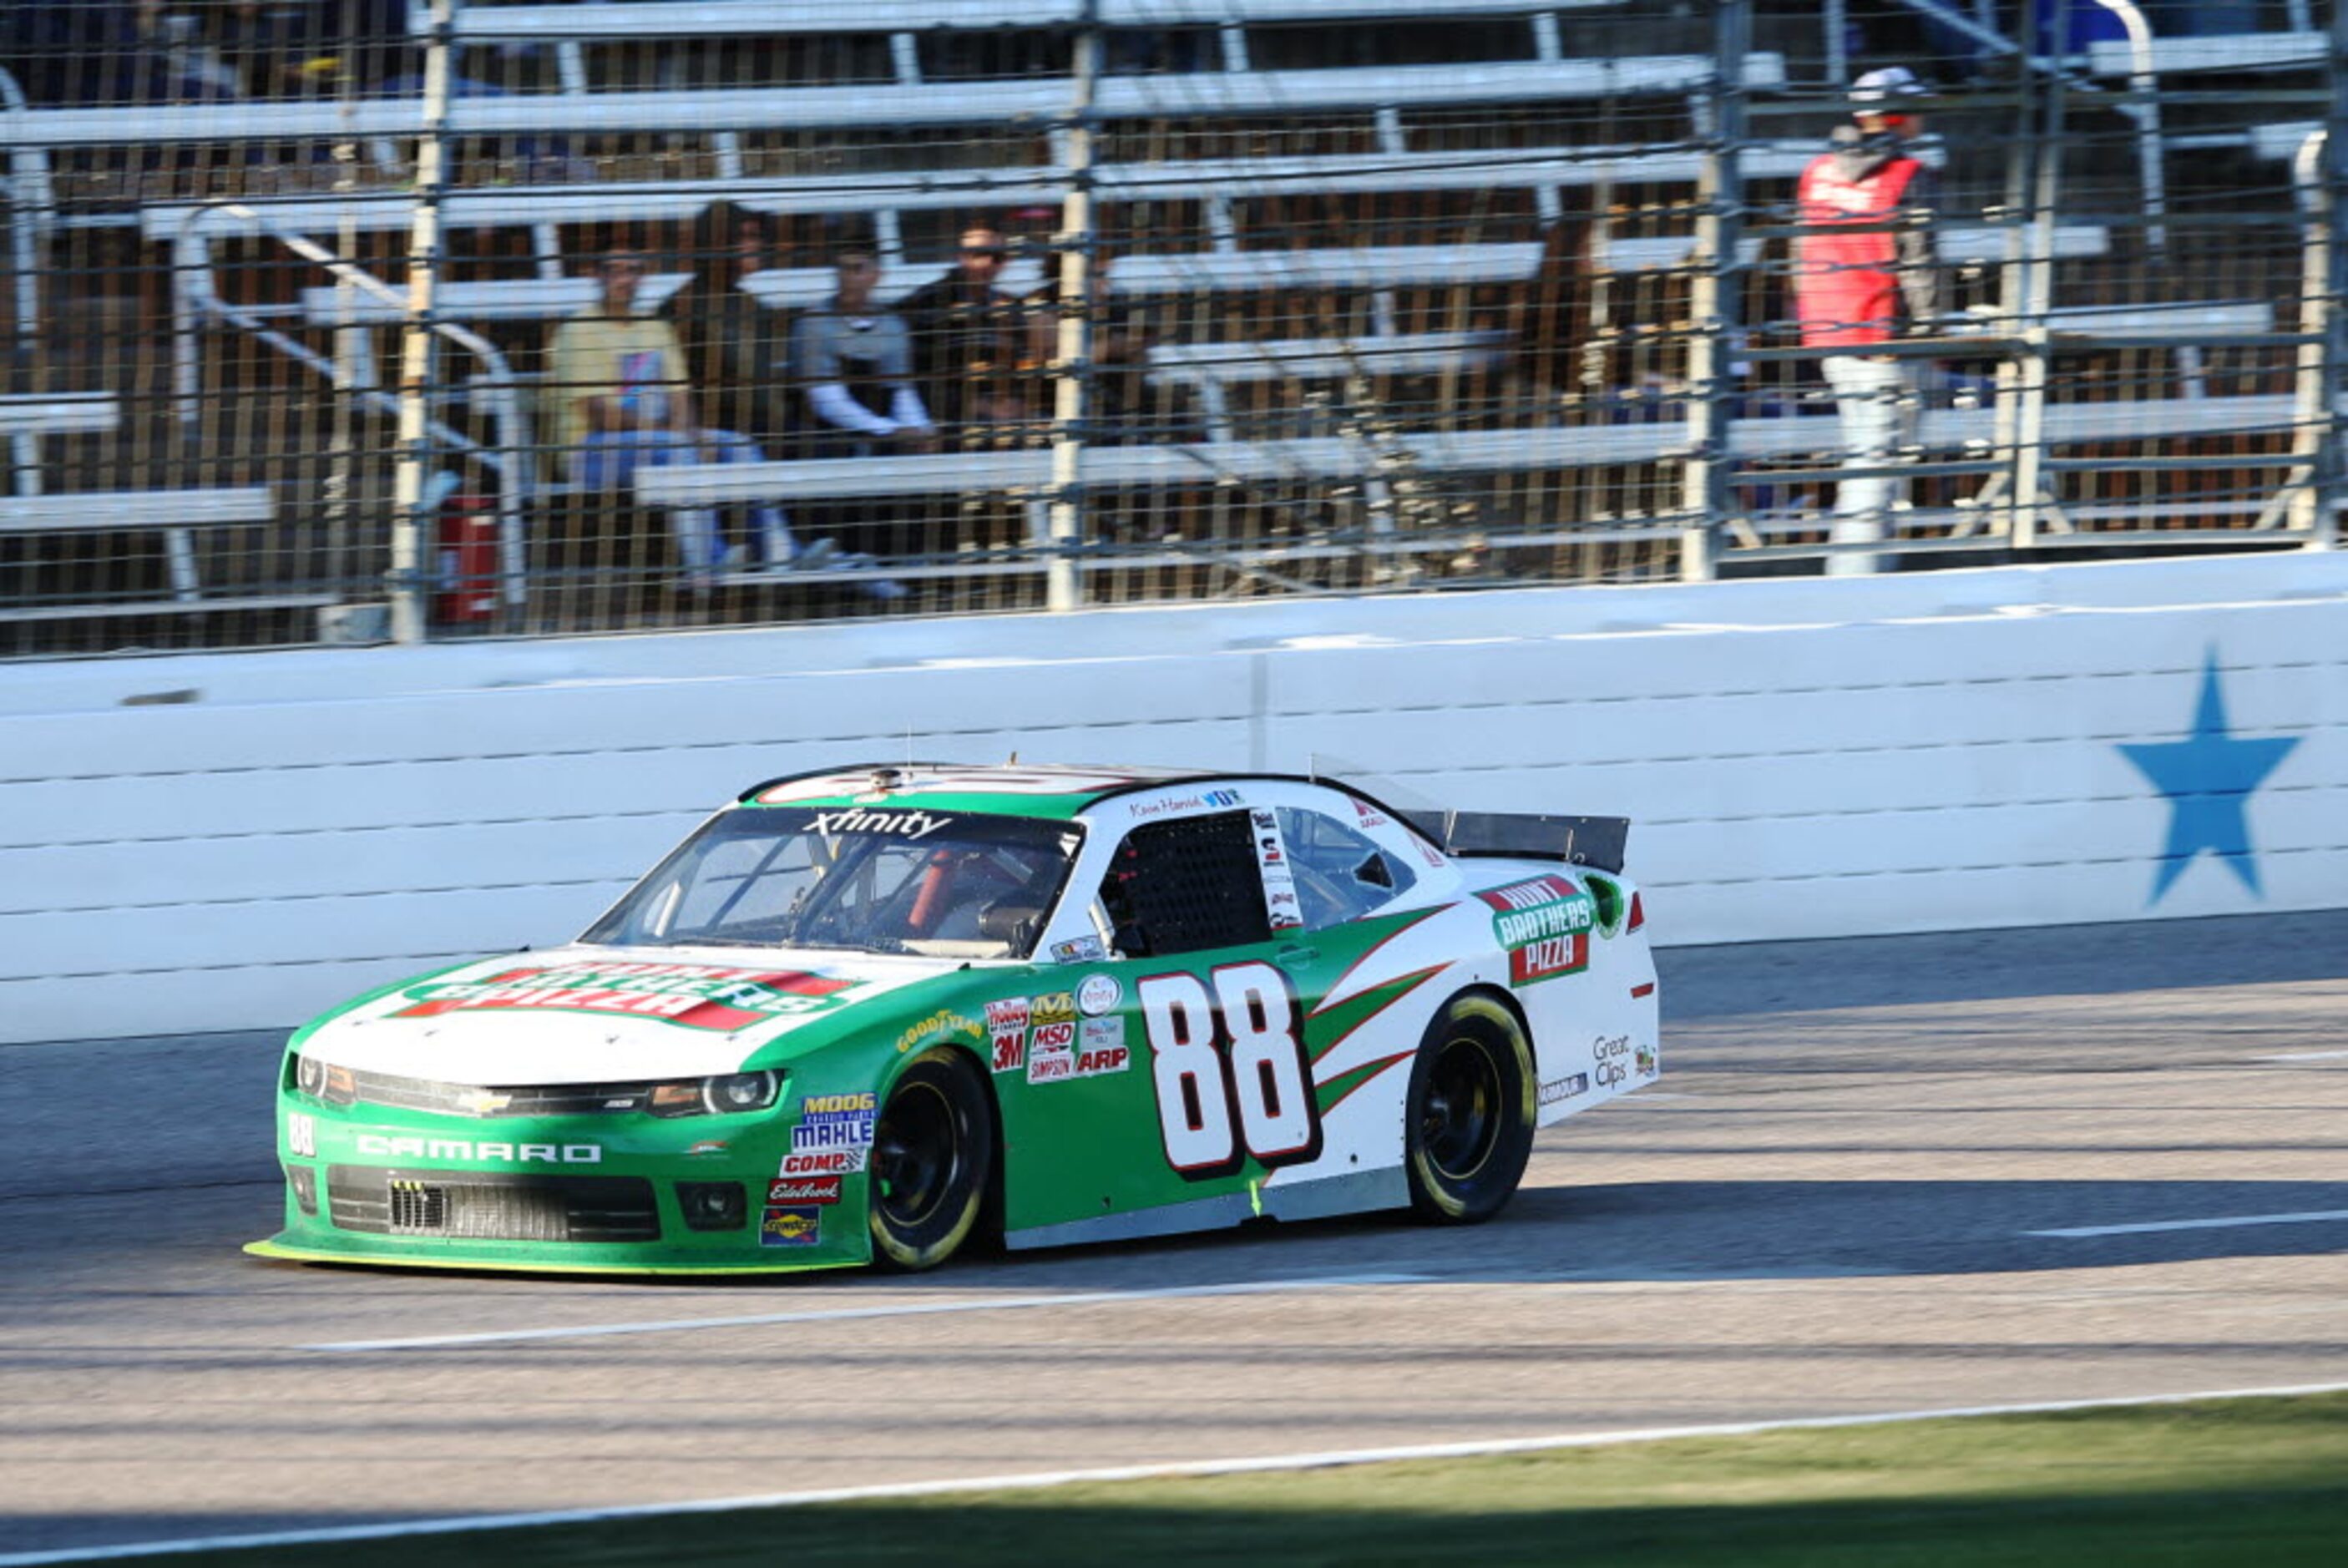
(696, 995)
(1545, 924)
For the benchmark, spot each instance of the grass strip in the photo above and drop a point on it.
(2238, 1481)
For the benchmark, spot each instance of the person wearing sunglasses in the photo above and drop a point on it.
(969, 334)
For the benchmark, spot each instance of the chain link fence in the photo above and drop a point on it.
(362, 320)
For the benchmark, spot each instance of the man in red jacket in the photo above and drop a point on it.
(1863, 275)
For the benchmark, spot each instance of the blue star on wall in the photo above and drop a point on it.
(2208, 778)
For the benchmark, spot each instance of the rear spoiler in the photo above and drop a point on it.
(1595, 841)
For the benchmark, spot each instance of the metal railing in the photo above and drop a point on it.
(1298, 297)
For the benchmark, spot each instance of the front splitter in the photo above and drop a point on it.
(290, 1252)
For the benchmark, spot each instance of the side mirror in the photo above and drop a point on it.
(1009, 922)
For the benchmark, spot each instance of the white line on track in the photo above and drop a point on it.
(893, 1309)
(2307, 1217)
(2304, 1057)
(1036, 1481)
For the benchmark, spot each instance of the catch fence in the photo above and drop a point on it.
(355, 320)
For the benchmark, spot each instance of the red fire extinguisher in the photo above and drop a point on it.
(466, 552)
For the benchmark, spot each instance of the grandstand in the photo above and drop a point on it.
(1394, 294)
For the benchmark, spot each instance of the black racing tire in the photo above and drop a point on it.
(1467, 1125)
(932, 1161)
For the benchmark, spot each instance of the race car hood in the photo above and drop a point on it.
(604, 1014)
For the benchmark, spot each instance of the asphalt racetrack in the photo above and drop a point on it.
(1880, 1175)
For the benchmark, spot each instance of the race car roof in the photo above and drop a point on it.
(1010, 789)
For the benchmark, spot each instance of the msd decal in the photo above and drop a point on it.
(1544, 923)
(695, 995)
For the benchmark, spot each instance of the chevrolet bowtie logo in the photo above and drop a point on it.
(481, 1101)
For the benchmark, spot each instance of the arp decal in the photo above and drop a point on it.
(1100, 1047)
(697, 996)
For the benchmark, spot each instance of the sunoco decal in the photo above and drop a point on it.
(1544, 925)
(790, 1227)
(695, 995)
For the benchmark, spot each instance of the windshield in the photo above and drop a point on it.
(879, 879)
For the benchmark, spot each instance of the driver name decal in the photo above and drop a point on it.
(695, 995)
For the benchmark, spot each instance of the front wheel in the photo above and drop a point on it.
(933, 1153)
(1468, 1122)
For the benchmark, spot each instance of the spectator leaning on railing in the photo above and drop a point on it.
(1864, 275)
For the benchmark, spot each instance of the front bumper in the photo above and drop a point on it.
(614, 1194)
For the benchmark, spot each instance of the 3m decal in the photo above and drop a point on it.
(1610, 1055)
(1544, 923)
(830, 1162)
(1098, 994)
(696, 997)
(1006, 1033)
(1229, 1070)
(300, 1134)
(790, 1227)
(803, 1190)
(376, 1146)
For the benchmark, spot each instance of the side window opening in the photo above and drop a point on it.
(1341, 874)
(1186, 885)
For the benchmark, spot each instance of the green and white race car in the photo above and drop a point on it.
(870, 1014)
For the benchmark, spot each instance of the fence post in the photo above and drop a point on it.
(1718, 275)
(2030, 311)
(1064, 583)
(2331, 300)
(411, 523)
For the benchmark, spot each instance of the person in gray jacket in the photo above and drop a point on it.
(854, 359)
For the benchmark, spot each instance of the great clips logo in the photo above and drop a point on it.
(1545, 925)
(694, 996)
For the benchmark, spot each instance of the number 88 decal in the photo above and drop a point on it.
(1229, 1070)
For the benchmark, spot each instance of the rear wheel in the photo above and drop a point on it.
(933, 1153)
(1468, 1126)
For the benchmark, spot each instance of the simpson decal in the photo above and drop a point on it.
(1052, 1053)
(697, 996)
